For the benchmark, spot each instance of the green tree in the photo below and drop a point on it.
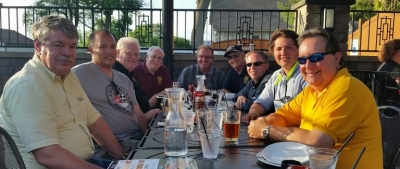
(373, 5)
(82, 11)
(150, 35)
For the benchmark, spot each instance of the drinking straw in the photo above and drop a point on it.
(358, 158)
(344, 144)
(205, 131)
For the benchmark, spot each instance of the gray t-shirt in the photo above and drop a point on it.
(214, 77)
(117, 111)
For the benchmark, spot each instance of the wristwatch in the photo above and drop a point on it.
(266, 132)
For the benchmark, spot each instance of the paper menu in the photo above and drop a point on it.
(168, 163)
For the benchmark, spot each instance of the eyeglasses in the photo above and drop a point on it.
(254, 64)
(156, 57)
(204, 57)
(115, 87)
(313, 58)
(233, 56)
(132, 54)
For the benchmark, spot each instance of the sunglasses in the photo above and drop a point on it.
(255, 64)
(115, 87)
(234, 55)
(313, 58)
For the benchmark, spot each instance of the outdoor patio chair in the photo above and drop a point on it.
(390, 124)
(10, 158)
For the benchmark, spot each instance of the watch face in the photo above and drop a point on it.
(266, 132)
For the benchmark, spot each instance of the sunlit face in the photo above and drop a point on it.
(236, 62)
(104, 50)
(285, 52)
(57, 52)
(154, 60)
(256, 72)
(204, 58)
(321, 73)
(128, 56)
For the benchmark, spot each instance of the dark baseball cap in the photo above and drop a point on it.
(233, 48)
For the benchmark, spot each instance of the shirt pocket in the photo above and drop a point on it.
(79, 109)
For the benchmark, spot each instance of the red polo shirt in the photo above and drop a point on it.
(152, 84)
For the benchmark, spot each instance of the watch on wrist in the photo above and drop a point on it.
(266, 132)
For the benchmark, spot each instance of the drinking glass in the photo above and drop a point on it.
(231, 125)
(322, 158)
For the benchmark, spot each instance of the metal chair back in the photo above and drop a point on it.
(10, 158)
(390, 125)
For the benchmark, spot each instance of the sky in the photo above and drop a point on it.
(182, 28)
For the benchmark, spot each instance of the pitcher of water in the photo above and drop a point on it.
(175, 133)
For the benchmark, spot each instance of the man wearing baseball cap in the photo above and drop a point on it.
(237, 76)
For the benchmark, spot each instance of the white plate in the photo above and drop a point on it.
(277, 152)
(262, 159)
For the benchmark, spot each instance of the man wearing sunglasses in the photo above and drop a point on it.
(257, 64)
(330, 109)
(237, 77)
(112, 93)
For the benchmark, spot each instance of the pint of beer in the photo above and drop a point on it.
(231, 125)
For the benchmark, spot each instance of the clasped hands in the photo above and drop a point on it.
(256, 127)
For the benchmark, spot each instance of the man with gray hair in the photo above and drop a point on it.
(257, 64)
(45, 109)
(128, 49)
(152, 75)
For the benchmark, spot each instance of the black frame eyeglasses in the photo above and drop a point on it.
(314, 58)
(255, 64)
(115, 87)
(233, 56)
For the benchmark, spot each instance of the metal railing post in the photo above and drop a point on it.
(168, 34)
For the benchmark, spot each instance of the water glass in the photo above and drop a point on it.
(204, 117)
(189, 117)
(231, 125)
(210, 144)
(322, 158)
(218, 118)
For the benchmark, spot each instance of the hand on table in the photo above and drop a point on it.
(151, 113)
(256, 127)
(240, 101)
(250, 116)
(153, 101)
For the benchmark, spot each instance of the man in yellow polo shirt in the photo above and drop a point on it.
(333, 106)
(46, 111)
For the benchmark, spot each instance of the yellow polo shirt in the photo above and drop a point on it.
(345, 106)
(38, 109)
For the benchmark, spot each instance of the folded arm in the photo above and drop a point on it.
(54, 156)
(279, 132)
(105, 138)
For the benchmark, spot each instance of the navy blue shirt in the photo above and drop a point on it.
(235, 82)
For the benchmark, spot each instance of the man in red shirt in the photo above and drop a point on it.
(152, 75)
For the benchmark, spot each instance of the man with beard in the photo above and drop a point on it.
(214, 77)
(112, 93)
(237, 77)
(127, 59)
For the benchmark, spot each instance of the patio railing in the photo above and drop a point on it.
(219, 28)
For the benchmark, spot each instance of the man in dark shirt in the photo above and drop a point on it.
(257, 64)
(127, 59)
(237, 77)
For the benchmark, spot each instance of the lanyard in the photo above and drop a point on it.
(289, 75)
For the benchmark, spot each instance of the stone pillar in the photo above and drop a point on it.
(310, 14)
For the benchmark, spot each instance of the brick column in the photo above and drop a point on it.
(310, 13)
